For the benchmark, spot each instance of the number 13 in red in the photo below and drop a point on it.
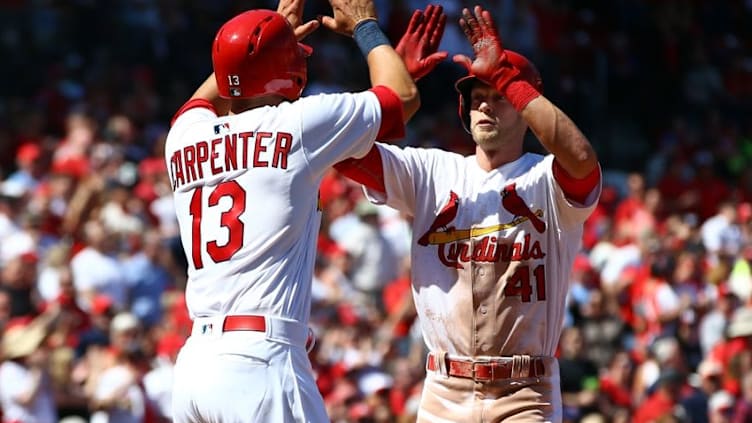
(229, 220)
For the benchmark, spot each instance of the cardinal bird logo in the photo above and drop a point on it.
(516, 205)
(445, 216)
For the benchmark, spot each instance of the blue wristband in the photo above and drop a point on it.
(368, 36)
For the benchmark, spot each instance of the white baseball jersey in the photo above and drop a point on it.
(246, 197)
(494, 249)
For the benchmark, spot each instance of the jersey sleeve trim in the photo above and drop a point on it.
(574, 188)
(392, 125)
(193, 104)
(367, 170)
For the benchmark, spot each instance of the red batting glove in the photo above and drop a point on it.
(418, 46)
(491, 64)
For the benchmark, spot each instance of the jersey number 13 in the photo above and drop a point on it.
(229, 219)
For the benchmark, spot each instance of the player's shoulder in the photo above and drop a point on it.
(433, 154)
(193, 110)
(327, 102)
(532, 168)
(534, 163)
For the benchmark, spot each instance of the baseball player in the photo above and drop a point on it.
(495, 235)
(245, 157)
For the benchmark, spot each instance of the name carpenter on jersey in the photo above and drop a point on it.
(228, 153)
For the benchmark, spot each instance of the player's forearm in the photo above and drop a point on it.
(561, 137)
(387, 68)
(209, 91)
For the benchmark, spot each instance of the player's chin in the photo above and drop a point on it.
(483, 134)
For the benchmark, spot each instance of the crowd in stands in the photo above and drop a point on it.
(659, 322)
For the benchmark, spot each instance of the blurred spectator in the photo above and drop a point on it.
(29, 168)
(579, 375)
(721, 234)
(11, 201)
(119, 215)
(17, 278)
(713, 324)
(740, 277)
(708, 383)
(615, 385)
(5, 308)
(372, 262)
(96, 268)
(23, 243)
(664, 401)
(656, 305)
(117, 396)
(735, 352)
(157, 382)
(26, 394)
(721, 407)
(635, 216)
(743, 410)
(664, 356)
(148, 276)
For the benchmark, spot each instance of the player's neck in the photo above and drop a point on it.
(241, 105)
(492, 158)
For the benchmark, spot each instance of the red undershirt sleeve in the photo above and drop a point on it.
(576, 189)
(367, 170)
(192, 104)
(392, 125)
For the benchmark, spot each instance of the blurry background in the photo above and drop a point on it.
(91, 270)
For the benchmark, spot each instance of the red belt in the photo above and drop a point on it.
(257, 324)
(249, 323)
(484, 371)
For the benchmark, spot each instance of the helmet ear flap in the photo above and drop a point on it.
(463, 87)
(464, 111)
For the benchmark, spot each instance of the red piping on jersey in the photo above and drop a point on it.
(392, 125)
(192, 104)
(368, 170)
(574, 188)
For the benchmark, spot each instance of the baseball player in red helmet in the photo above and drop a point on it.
(245, 157)
(496, 234)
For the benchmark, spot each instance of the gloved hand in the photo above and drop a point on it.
(418, 46)
(490, 65)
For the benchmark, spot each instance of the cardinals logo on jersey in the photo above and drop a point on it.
(454, 248)
(445, 216)
(514, 204)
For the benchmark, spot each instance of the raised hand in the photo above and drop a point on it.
(292, 10)
(418, 46)
(347, 14)
(490, 64)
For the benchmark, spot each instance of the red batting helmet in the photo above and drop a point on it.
(528, 72)
(256, 54)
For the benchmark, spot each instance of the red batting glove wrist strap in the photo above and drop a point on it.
(519, 93)
(504, 76)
